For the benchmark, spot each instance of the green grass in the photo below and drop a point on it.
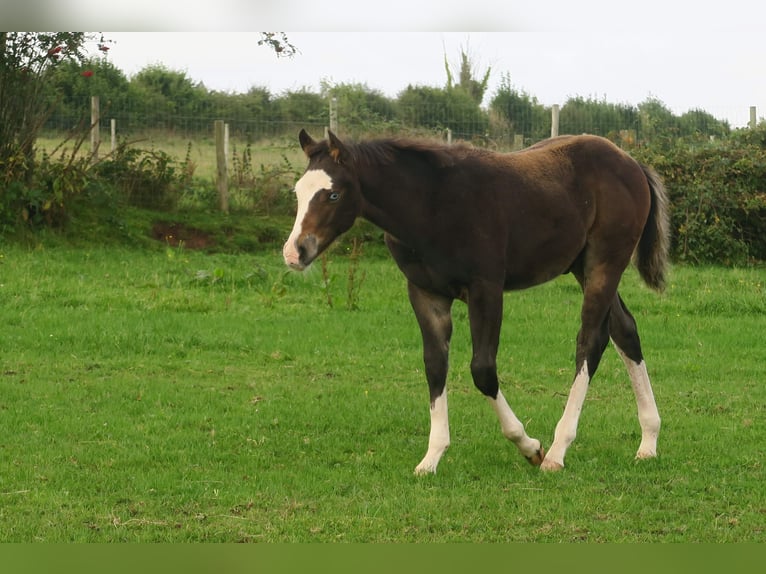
(200, 151)
(171, 395)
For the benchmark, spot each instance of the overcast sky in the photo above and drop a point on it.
(688, 54)
(722, 77)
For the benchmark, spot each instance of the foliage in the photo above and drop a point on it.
(265, 190)
(516, 112)
(439, 109)
(144, 178)
(718, 197)
(279, 43)
(302, 105)
(659, 127)
(466, 81)
(360, 109)
(587, 115)
(26, 63)
(46, 195)
(71, 85)
(715, 176)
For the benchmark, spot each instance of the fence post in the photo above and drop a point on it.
(753, 121)
(226, 142)
(334, 114)
(113, 129)
(222, 180)
(554, 120)
(95, 138)
(449, 136)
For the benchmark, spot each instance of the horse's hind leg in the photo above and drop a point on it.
(434, 315)
(592, 339)
(622, 329)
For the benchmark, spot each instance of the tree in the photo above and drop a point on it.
(303, 106)
(360, 106)
(466, 80)
(26, 62)
(440, 109)
(587, 115)
(698, 124)
(658, 124)
(71, 85)
(170, 98)
(518, 113)
(278, 42)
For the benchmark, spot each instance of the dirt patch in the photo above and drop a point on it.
(175, 234)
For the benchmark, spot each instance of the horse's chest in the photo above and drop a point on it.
(432, 270)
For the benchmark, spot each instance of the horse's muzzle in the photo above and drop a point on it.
(302, 253)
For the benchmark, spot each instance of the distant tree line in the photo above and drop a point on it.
(160, 98)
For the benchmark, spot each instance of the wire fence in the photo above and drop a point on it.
(506, 129)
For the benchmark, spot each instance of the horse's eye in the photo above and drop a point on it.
(333, 196)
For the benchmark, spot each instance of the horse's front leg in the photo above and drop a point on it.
(434, 314)
(485, 312)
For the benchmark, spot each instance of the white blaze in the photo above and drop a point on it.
(306, 188)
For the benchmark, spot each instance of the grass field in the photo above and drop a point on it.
(173, 396)
(199, 150)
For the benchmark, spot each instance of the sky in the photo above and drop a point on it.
(688, 54)
(722, 80)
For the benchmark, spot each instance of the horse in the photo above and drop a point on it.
(467, 223)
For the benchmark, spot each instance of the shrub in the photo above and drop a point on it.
(717, 194)
(144, 178)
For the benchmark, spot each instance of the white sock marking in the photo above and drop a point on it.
(566, 429)
(648, 416)
(438, 439)
(512, 427)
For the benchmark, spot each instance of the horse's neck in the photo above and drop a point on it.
(389, 203)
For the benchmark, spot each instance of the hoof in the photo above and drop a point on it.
(643, 455)
(537, 458)
(551, 466)
(423, 470)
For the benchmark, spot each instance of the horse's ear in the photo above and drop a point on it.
(306, 141)
(337, 150)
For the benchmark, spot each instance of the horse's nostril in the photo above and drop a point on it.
(307, 249)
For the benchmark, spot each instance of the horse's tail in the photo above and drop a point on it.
(651, 255)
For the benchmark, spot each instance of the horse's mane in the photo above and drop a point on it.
(387, 151)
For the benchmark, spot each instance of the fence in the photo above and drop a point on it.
(516, 125)
(512, 129)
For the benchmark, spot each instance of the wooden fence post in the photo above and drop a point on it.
(334, 114)
(753, 120)
(222, 173)
(113, 129)
(554, 120)
(95, 138)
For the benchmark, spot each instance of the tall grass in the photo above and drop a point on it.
(198, 152)
(176, 396)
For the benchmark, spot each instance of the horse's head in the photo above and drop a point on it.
(329, 200)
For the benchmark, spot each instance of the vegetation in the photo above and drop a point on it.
(172, 396)
(715, 177)
(718, 197)
(165, 379)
